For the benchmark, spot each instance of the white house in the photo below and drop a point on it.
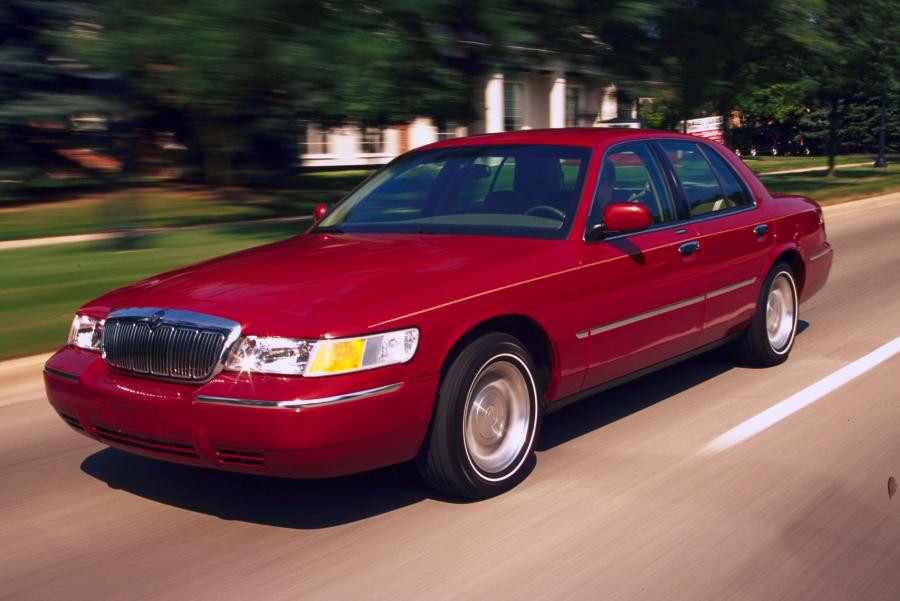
(511, 100)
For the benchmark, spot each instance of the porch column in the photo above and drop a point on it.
(558, 100)
(493, 104)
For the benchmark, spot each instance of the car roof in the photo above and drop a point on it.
(572, 136)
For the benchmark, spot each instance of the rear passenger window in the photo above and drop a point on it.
(701, 186)
(735, 193)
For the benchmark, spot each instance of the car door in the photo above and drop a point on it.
(644, 288)
(734, 242)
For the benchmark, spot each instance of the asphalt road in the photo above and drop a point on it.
(625, 501)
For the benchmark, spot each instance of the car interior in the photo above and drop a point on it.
(534, 187)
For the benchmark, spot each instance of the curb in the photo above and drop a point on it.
(69, 239)
(810, 169)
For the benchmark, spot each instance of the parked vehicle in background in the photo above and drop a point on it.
(443, 307)
(759, 140)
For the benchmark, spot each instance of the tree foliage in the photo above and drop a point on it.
(39, 88)
(237, 79)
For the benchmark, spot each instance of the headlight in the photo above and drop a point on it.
(313, 358)
(85, 332)
(269, 355)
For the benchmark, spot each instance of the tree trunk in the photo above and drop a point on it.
(216, 151)
(724, 109)
(832, 135)
(881, 161)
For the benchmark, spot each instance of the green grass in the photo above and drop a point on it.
(172, 206)
(43, 286)
(846, 184)
(767, 164)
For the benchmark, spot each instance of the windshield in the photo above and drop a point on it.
(516, 191)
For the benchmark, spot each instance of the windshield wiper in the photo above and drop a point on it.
(328, 230)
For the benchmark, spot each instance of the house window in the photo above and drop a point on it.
(373, 140)
(316, 141)
(513, 101)
(625, 106)
(573, 106)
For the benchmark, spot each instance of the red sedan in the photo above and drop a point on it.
(444, 306)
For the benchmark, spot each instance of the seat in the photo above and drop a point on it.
(540, 180)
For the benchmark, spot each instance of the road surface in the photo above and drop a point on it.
(626, 500)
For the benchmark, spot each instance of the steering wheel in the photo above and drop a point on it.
(639, 196)
(546, 209)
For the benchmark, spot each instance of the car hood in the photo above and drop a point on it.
(314, 285)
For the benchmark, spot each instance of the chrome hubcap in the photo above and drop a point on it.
(780, 311)
(498, 413)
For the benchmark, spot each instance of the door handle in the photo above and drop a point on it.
(761, 230)
(689, 248)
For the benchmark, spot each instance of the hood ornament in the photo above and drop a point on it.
(156, 319)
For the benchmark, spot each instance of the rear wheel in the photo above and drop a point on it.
(485, 422)
(770, 335)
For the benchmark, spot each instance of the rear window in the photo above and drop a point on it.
(709, 184)
(736, 195)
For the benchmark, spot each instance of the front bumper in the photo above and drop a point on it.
(273, 425)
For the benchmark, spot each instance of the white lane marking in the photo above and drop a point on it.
(807, 396)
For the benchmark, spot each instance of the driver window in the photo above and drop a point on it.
(631, 174)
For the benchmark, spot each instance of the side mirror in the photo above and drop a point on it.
(627, 216)
(621, 217)
(320, 211)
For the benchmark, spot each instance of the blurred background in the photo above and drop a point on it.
(139, 136)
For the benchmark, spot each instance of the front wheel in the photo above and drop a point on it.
(770, 336)
(486, 420)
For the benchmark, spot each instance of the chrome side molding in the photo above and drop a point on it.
(729, 288)
(582, 334)
(647, 315)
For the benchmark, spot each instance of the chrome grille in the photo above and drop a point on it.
(167, 344)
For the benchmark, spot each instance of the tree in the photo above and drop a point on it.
(712, 54)
(851, 50)
(39, 89)
(220, 70)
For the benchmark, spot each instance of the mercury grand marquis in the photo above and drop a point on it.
(444, 306)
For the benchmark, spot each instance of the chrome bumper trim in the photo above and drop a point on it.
(299, 403)
(820, 254)
(61, 374)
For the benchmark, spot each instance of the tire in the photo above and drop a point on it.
(770, 335)
(486, 420)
